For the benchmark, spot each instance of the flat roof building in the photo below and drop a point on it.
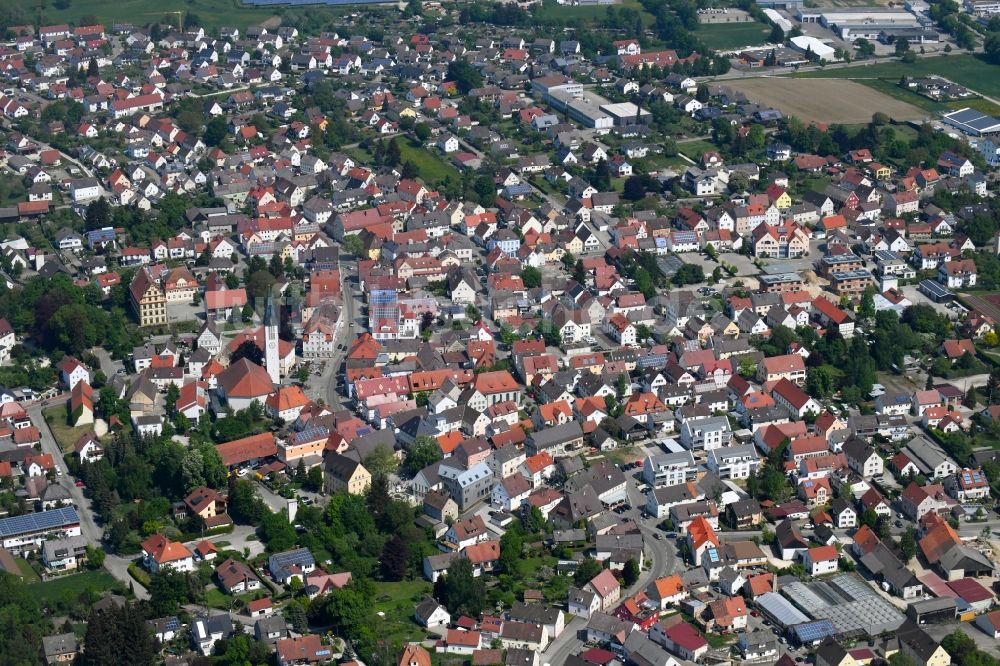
(972, 122)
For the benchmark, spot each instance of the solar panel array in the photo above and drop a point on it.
(813, 632)
(37, 522)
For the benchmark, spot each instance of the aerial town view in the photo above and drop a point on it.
(499, 332)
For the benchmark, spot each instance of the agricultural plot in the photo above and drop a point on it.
(826, 101)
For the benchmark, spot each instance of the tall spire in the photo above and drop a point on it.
(271, 360)
(269, 319)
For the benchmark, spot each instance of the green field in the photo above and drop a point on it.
(211, 13)
(695, 149)
(64, 435)
(430, 168)
(969, 71)
(722, 36)
(592, 13)
(68, 589)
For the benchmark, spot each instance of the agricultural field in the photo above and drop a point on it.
(844, 102)
(590, 13)
(211, 13)
(724, 36)
(967, 70)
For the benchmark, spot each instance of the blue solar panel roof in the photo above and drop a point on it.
(809, 632)
(34, 522)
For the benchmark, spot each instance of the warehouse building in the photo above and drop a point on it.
(584, 109)
(626, 114)
(849, 602)
(972, 122)
(780, 610)
(932, 611)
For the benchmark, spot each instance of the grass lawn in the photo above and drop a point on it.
(390, 595)
(430, 168)
(396, 601)
(724, 36)
(211, 13)
(716, 641)
(695, 149)
(27, 572)
(65, 435)
(70, 587)
(970, 71)
(216, 598)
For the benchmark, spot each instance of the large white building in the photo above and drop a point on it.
(734, 462)
(24, 534)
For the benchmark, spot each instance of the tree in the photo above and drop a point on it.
(99, 214)
(215, 132)
(244, 504)
(908, 544)
(991, 44)
(600, 177)
(95, 557)
(747, 367)
(463, 593)
(472, 313)
(118, 637)
(422, 131)
(381, 461)
(962, 649)
(424, 451)
(532, 277)
(689, 274)
(409, 170)
(249, 350)
(866, 310)
(232, 280)
(465, 76)
(395, 560)
(511, 547)
(777, 35)
(277, 533)
(630, 574)
(295, 615)
(586, 571)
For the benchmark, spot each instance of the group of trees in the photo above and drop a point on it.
(61, 316)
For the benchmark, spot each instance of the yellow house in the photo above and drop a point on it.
(341, 473)
(407, 112)
(830, 653)
(881, 171)
(575, 246)
(784, 202)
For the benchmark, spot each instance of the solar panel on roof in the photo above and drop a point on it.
(34, 522)
(811, 632)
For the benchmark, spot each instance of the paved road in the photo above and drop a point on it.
(345, 334)
(661, 560)
(116, 566)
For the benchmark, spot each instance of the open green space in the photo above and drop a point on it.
(65, 435)
(388, 595)
(722, 36)
(970, 71)
(430, 168)
(211, 13)
(71, 587)
(592, 13)
(26, 571)
(695, 149)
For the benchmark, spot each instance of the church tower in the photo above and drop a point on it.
(271, 341)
